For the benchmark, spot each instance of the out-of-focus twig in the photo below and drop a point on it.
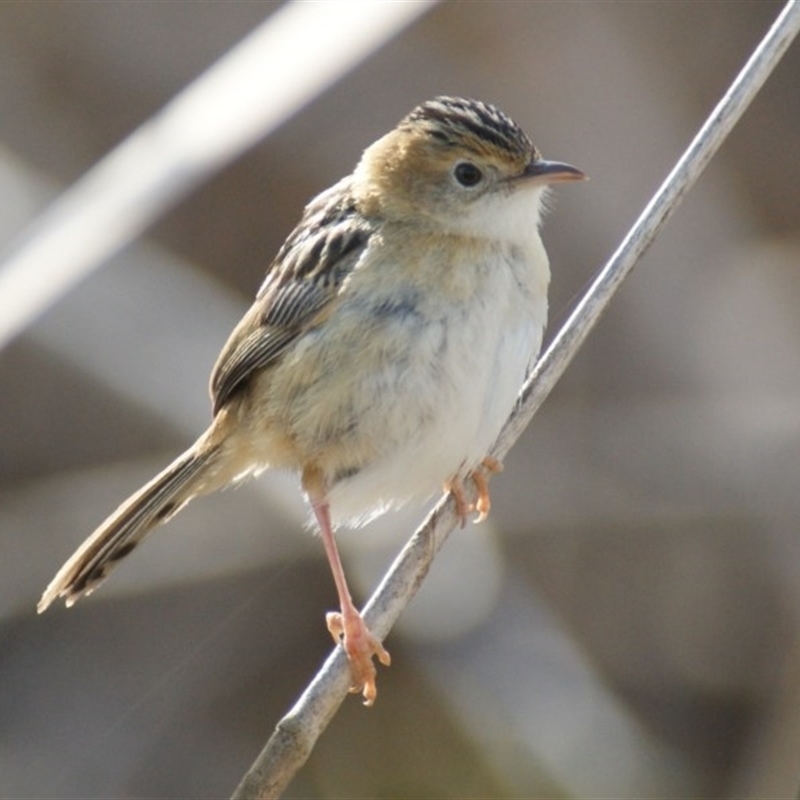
(295, 735)
(237, 101)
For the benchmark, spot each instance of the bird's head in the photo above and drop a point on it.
(462, 165)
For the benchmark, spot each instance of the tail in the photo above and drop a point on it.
(186, 477)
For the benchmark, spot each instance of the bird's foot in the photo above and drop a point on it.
(480, 478)
(349, 629)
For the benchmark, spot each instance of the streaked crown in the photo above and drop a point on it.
(460, 122)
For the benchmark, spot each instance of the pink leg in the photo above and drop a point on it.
(348, 627)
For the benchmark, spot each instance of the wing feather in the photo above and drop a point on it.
(305, 277)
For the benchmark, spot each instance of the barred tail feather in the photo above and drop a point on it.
(122, 531)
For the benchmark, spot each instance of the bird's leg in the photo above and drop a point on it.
(346, 626)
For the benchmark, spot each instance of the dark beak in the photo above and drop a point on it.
(547, 172)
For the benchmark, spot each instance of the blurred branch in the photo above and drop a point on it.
(295, 735)
(240, 99)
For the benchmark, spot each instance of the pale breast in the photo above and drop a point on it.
(438, 377)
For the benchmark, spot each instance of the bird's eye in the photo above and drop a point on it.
(467, 174)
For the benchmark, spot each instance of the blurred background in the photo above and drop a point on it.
(624, 625)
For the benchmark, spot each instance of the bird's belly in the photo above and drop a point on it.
(436, 447)
(433, 414)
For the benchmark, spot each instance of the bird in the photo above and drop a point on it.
(383, 351)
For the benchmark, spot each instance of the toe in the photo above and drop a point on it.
(484, 502)
(463, 506)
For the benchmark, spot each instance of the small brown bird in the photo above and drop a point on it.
(384, 350)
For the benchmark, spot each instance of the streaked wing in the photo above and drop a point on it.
(305, 277)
